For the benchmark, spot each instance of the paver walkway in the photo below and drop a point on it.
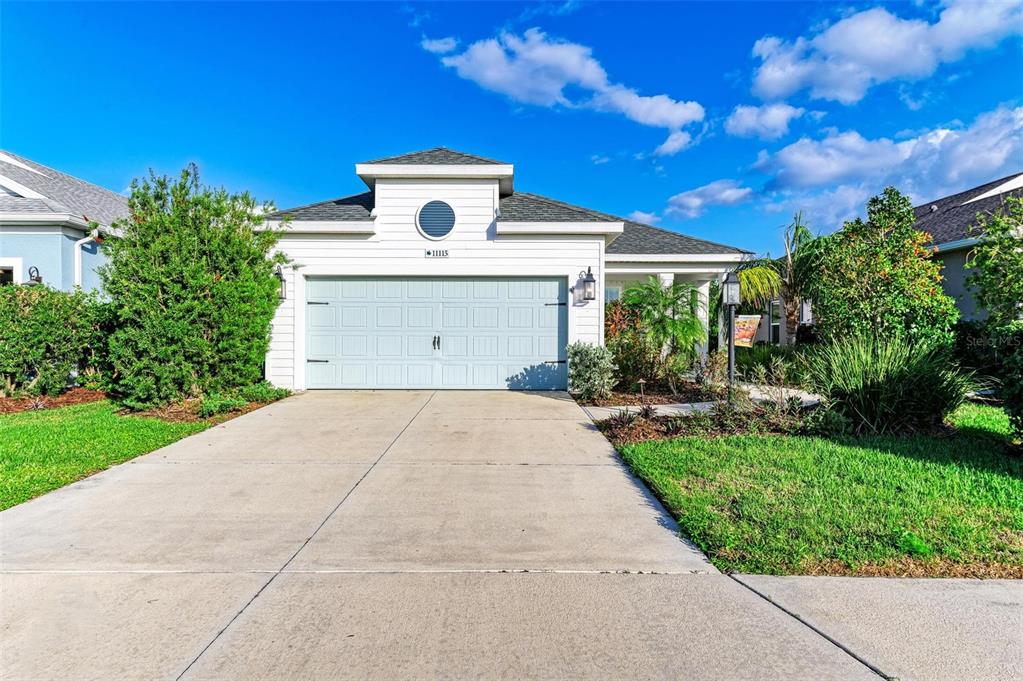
(382, 535)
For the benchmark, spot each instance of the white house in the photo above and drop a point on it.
(441, 275)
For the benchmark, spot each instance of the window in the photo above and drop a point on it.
(435, 220)
(612, 293)
(6, 275)
(776, 315)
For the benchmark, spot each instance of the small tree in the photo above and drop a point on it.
(878, 277)
(998, 262)
(192, 284)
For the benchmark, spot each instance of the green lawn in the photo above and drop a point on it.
(44, 450)
(920, 505)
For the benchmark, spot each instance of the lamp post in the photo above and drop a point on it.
(731, 298)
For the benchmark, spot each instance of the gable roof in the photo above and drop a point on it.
(61, 193)
(951, 218)
(436, 156)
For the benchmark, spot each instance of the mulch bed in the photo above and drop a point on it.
(188, 412)
(687, 393)
(11, 405)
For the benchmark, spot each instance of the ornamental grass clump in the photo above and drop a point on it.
(886, 385)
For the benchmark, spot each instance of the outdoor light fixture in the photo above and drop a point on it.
(34, 278)
(283, 291)
(589, 285)
(731, 298)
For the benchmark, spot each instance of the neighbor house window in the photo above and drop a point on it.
(776, 316)
(612, 293)
(6, 276)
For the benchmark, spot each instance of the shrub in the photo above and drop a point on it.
(48, 337)
(878, 277)
(885, 385)
(262, 392)
(749, 361)
(592, 373)
(635, 357)
(1009, 340)
(215, 403)
(192, 284)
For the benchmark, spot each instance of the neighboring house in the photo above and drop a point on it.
(950, 221)
(44, 224)
(441, 275)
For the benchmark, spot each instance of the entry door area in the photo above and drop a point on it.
(438, 332)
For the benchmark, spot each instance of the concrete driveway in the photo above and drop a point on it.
(382, 535)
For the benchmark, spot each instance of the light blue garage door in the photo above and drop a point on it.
(484, 333)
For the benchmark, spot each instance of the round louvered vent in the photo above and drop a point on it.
(435, 220)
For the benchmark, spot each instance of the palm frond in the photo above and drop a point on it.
(760, 283)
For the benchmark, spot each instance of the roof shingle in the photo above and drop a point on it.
(64, 193)
(355, 207)
(951, 218)
(436, 156)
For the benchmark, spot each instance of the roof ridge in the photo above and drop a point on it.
(979, 188)
(64, 175)
(415, 152)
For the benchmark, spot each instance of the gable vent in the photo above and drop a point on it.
(436, 219)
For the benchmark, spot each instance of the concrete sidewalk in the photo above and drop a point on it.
(394, 535)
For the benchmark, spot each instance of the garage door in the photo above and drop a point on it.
(483, 333)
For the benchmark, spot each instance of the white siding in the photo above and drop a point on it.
(398, 249)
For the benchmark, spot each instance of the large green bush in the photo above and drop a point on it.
(47, 337)
(634, 355)
(192, 284)
(878, 277)
(1009, 339)
(886, 385)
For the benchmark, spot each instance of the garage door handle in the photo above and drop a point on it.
(556, 361)
(316, 361)
(556, 304)
(316, 302)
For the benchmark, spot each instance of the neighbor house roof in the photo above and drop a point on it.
(951, 218)
(51, 191)
(436, 156)
(636, 239)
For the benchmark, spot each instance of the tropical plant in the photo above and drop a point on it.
(886, 385)
(634, 355)
(592, 373)
(878, 277)
(997, 262)
(192, 284)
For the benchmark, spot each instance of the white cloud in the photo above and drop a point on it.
(599, 159)
(832, 178)
(439, 45)
(676, 142)
(842, 61)
(693, 203)
(931, 162)
(644, 218)
(535, 69)
(769, 121)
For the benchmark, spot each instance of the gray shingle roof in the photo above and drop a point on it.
(437, 156)
(64, 193)
(951, 218)
(637, 238)
(356, 207)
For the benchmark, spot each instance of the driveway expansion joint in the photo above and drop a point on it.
(817, 630)
(307, 540)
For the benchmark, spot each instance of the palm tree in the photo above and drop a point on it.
(667, 315)
(766, 279)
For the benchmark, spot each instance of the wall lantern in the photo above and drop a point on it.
(589, 285)
(282, 293)
(34, 278)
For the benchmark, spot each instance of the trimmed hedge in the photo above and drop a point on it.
(49, 337)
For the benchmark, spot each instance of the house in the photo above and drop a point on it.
(45, 218)
(950, 222)
(442, 275)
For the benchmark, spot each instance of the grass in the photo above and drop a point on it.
(920, 506)
(43, 450)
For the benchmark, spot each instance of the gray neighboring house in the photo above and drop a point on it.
(45, 218)
(950, 221)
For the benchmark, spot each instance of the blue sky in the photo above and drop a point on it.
(715, 119)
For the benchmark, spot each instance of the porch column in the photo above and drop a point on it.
(702, 307)
(666, 279)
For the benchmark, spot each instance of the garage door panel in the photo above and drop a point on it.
(380, 332)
